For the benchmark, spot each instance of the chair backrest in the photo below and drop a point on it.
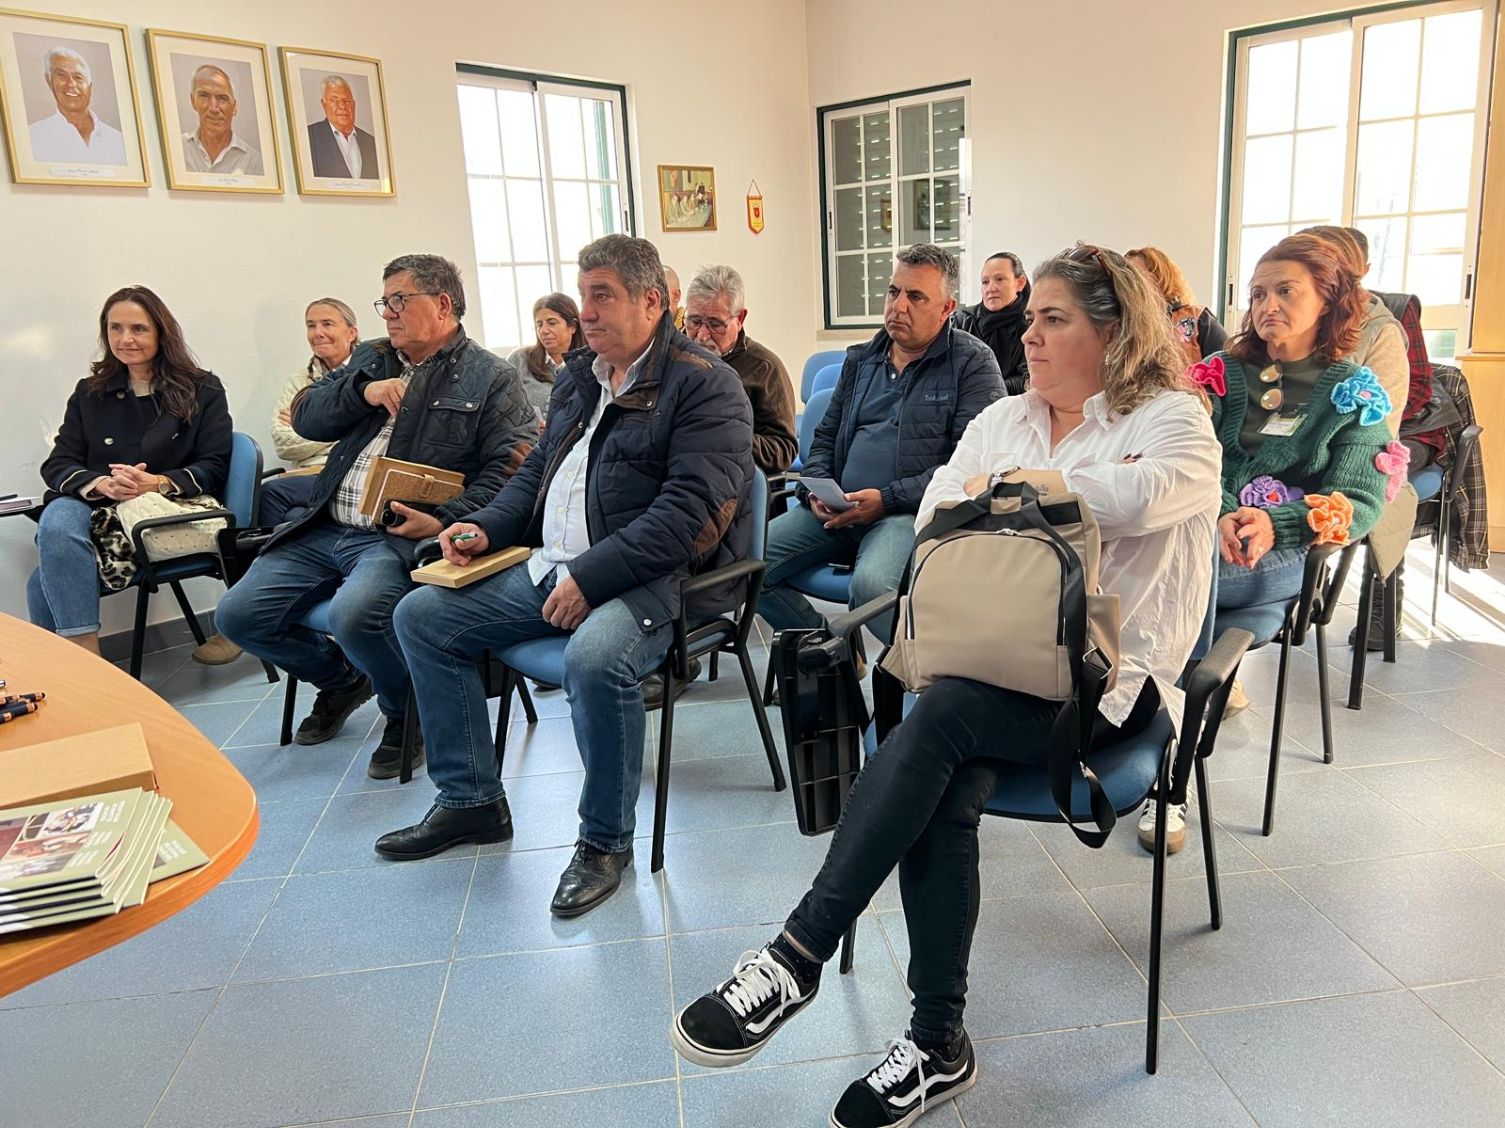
(1209, 617)
(816, 362)
(815, 410)
(757, 501)
(825, 378)
(243, 482)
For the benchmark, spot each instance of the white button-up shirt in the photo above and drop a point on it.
(1151, 480)
(565, 535)
(350, 149)
(235, 159)
(56, 140)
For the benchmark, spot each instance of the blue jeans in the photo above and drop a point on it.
(283, 498)
(1275, 579)
(62, 594)
(444, 633)
(364, 573)
(797, 541)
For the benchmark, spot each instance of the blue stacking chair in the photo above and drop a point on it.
(816, 362)
(825, 378)
(241, 496)
(542, 659)
(1155, 764)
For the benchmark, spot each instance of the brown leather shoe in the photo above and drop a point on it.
(217, 651)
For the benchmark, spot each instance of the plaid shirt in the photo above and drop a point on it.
(1419, 393)
(344, 507)
(1468, 544)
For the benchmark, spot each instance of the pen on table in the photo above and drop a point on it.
(458, 537)
(21, 709)
(17, 698)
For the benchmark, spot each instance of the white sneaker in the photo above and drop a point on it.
(1175, 827)
(1238, 700)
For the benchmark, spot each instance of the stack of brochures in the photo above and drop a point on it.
(73, 859)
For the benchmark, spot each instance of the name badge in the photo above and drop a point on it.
(1280, 424)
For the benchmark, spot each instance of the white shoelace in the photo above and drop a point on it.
(757, 977)
(903, 1055)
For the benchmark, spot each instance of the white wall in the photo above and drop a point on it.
(719, 89)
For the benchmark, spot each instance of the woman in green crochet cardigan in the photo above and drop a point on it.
(1307, 456)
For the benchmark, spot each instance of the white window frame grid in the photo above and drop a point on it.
(829, 116)
(1448, 317)
(539, 88)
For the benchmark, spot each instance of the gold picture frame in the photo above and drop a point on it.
(321, 162)
(687, 197)
(227, 85)
(56, 68)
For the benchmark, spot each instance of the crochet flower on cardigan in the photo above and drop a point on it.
(1209, 374)
(1330, 517)
(1265, 491)
(1393, 461)
(1363, 393)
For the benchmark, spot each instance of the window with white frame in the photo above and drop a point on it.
(1375, 121)
(546, 166)
(894, 172)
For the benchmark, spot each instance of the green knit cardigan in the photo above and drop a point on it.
(1330, 452)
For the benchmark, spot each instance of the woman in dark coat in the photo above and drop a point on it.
(998, 320)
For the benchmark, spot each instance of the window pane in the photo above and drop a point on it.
(948, 221)
(1325, 62)
(533, 282)
(1442, 344)
(851, 290)
(1253, 242)
(566, 139)
(606, 215)
(880, 271)
(478, 135)
(519, 132)
(1438, 234)
(1271, 99)
(488, 220)
(848, 219)
(1450, 62)
(600, 139)
(572, 215)
(1387, 253)
(1318, 193)
(530, 241)
(1267, 179)
(914, 212)
(1444, 158)
(1387, 87)
(914, 139)
(1382, 173)
(876, 156)
(948, 125)
(846, 151)
(1436, 279)
(880, 216)
(499, 307)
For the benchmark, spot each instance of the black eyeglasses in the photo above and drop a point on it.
(714, 324)
(397, 302)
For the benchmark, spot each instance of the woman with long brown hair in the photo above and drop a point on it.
(556, 321)
(146, 419)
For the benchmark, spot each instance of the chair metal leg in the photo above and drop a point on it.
(189, 615)
(409, 737)
(1361, 640)
(524, 696)
(661, 783)
(1277, 732)
(715, 669)
(848, 949)
(768, 682)
(289, 702)
(1324, 695)
(138, 633)
(504, 705)
(745, 662)
(1209, 847)
(1392, 611)
(1440, 564)
(1157, 913)
(271, 671)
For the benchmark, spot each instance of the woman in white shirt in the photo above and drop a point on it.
(1110, 407)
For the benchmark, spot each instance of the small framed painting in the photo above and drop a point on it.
(69, 103)
(337, 112)
(214, 104)
(687, 197)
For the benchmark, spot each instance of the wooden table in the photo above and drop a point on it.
(211, 800)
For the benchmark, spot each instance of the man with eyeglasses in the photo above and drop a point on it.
(427, 394)
(715, 313)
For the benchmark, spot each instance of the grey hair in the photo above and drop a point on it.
(61, 52)
(432, 274)
(713, 281)
(928, 254)
(338, 306)
(334, 80)
(1014, 260)
(634, 261)
(213, 70)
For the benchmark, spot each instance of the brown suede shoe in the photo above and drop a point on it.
(218, 651)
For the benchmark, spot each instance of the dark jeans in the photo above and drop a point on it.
(283, 498)
(917, 804)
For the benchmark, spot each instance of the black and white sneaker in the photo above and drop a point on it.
(908, 1083)
(731, 1024)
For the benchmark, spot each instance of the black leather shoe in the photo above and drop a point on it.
(445, 827)
(332, 708)
(590, 878)
(386, 761)
(653, 687)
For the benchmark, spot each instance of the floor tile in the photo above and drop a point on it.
(1491, 857)
(195, 684)
(264, 725)
(642, 1106)
(1122, 860)
(71, 1065)
(1011, 863)
(1430, 664)
(1431, 918)
(292, 772)
(1458, 797)
(1376, 1060)
(218, 722)
(508, 910)
(1243, 747)
(1473, 1010)
(545, 812)
(305, 1050)
(1085, 1077)
(285, 829)
(1468, 712)
(1044, 963)
(726, 728)
(750, 875)
(853, 1014)
(595, 1016)
(363, 919)
(1320, 817)
(778, 1097)
(1272, 946)
(346, 835)
(716, 794)
(1489, 654)
(196, 948)
(541, 749)
(1384, 730)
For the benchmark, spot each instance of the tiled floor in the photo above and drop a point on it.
(1359, 978)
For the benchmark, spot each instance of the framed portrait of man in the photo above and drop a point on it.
(68, 101)
(214, 104)
(337, 114)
